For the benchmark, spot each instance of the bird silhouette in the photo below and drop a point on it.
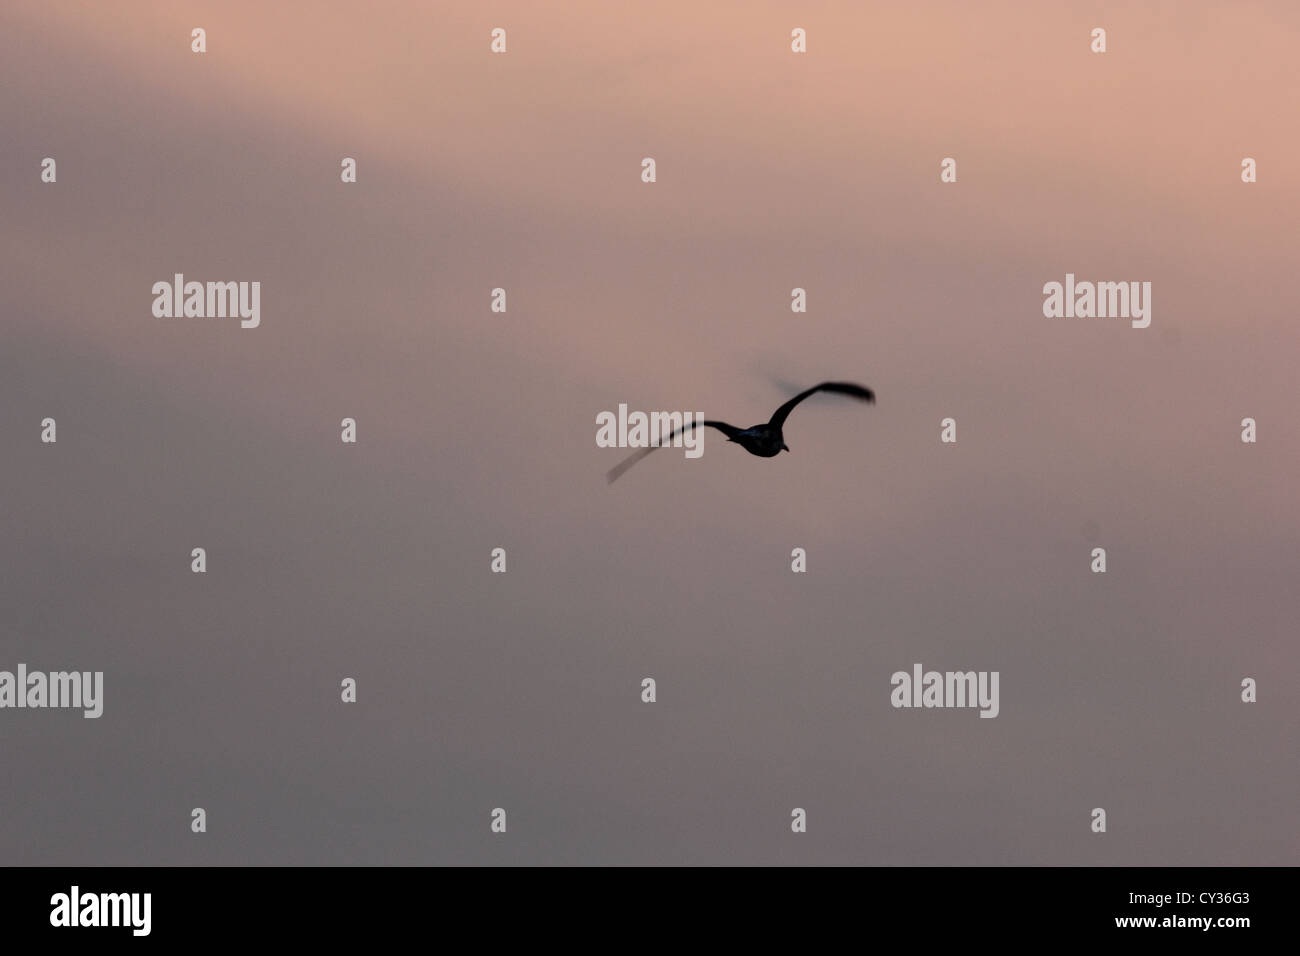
(765, 440)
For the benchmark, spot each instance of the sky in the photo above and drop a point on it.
(476, 430)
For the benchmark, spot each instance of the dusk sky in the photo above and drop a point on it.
(476, 430)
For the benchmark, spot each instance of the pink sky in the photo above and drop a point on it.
(477, 430)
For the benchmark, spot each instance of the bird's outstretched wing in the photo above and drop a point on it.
(843, 388)
(613, 474)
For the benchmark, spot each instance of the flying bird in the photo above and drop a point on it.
(765, 440)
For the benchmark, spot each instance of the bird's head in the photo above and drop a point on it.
(784, 446)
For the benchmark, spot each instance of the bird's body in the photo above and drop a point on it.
(761, 440)
(766, 440)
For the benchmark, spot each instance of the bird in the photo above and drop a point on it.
(766, 440)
